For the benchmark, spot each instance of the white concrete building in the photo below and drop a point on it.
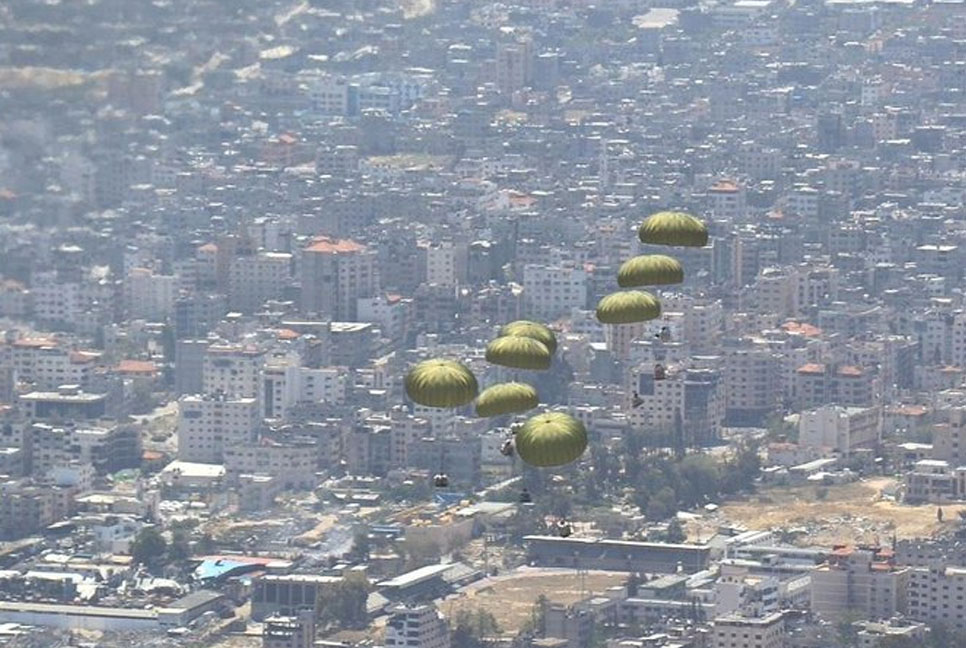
(550, 292)
(445, 263)
(419, 626)
(735, 631)
(288, 385)
(53, 300)
(253, 280)
(208, 424)
(234, 371)
(840, 428)
(148, 295)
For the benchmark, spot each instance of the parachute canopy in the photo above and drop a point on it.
(673, 228)
(441, 383)
(628, 306)
(650, 270)
(551, 439)
(518, 353)
(533, 330)
(506, 398)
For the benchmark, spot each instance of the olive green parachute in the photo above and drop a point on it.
(533, 330)
(673, 228)
(518, 353)
(650, 270)
(441, 383)
(551, 439)
(506, 398)
(628, 306)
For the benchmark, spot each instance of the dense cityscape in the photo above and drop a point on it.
(315, 329)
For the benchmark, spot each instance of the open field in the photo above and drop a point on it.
(511, 598)
(851, 513)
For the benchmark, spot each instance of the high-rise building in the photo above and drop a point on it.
(949, 436)
(286, 386)
(150, 296)
(514, 66)
(253, 280)
(189, 366)
(419, 626)
(550, 292)
(728, 201)
(233, 371)
(335, 273)
(752, 384)
(210, 423)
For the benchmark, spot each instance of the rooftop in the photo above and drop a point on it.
(326, 245)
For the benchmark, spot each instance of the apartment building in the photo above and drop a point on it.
(210, 423)
(552, 291)
(334, 274)
(418, 626)
(736, 631)
(233, 371)
(937, 594)
(840, 428)
(255, 279)
(866, 580)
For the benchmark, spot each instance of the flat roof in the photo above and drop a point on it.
(416, 576)
(301, 578)
(192, 469)
(82, 397)
(619, 543)
(78, 610)
(195, 599)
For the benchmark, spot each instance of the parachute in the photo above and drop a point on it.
(506, 398)
(627, 307)
(533, 330)
(518, 353)
(441, 383)
(551, 439)
(650, 270)
(673, 228)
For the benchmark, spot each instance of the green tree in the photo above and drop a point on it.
(663, 504)
(675, 532)
(148, 547)
(541, 607)
(360, 545)
(423, 552)
(470, 629)
(179, 548)
(344, 606)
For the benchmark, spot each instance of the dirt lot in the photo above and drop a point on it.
(852, 513)
(511, 598)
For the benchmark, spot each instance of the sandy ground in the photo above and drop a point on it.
(851, 513)
(511, 598)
